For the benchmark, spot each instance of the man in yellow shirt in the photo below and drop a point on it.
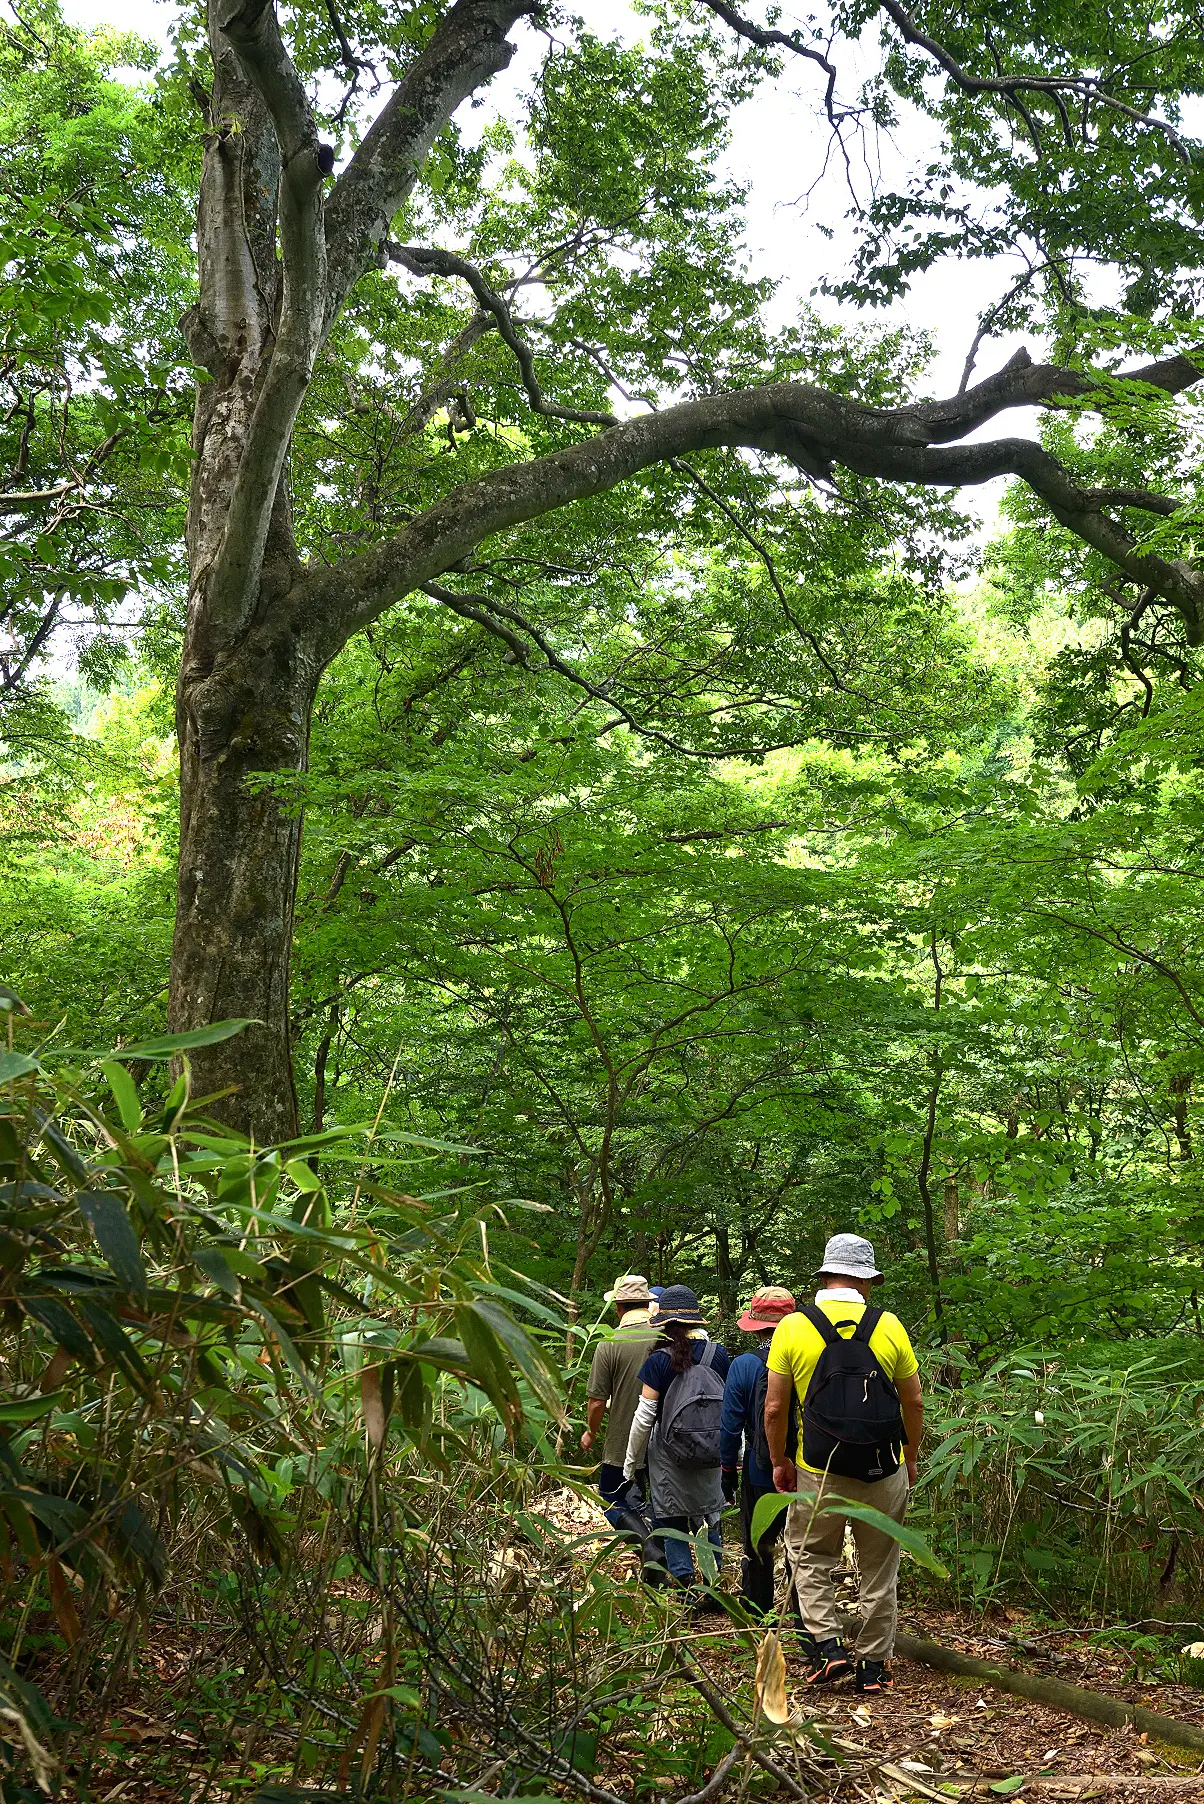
(830, 1458)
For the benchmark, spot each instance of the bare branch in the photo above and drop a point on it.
(771, 569)
(466, 48)
(769, 38)
(1126, 650)
(718, 1779)
(1087, 88)
(428, 261)
(703, 1686)
(492, 614)
(449, 383)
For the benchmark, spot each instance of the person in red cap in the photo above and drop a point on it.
(744, 1420)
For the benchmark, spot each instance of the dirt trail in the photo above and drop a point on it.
(953, 1737)
(949, 1737)
(973, 1737)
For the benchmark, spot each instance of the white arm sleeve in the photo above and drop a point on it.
(637, 1440)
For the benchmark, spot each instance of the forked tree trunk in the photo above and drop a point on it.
(277, 251)
(280, 247)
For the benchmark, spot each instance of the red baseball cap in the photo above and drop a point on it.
(767, 1307)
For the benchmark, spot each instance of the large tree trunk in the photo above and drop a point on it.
(276, 255)
(245, 694)
(239, 845)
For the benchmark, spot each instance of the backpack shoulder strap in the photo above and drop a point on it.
(708, 1353)
(820, 1322)
(868, 1323)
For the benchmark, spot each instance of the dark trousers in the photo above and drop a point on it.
(610, 1483)
(757, 1566)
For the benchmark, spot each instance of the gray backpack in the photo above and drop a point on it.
(689, 1425)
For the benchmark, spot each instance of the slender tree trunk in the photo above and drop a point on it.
(323, 1054)
(953, 1225)
(922, 1176)
(726, 1279)
(1180, 1088)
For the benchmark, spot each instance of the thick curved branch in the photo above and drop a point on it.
(811, 428)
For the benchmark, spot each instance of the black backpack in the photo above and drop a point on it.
(852, 1422)
(691, 1413)
(759, 1441)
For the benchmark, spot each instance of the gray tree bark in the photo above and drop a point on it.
(280, 247)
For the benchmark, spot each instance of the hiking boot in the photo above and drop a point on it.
(705, 1602)
(831, 1663)
(795, 1638)
(873, 1675)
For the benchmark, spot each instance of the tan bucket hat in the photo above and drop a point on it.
(630, 1288)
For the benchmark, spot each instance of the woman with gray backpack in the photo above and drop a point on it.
(677, 1420)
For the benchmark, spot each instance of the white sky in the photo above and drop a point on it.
(778, 147)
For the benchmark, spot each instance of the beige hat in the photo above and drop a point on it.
(631, 1288)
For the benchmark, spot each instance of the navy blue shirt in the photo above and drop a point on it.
(658, 1374)
(739, 1411)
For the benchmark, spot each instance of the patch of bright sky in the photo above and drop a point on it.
(779, 146)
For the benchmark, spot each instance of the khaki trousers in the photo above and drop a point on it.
(813, 1546)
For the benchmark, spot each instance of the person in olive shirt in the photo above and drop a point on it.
(613, 1389)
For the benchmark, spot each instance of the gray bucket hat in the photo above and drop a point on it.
(849, 1256)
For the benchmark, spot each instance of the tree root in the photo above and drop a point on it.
(1075, 1699)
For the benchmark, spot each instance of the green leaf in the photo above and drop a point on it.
(522, 1349)
(28, 1409)
(16, 1064)
(62, 1148)
(770, 1507)
(405, 1694)
(112, 1339)
(165, 1046)
(217, 1268)
(125, 1094)
(487, 1363)
(1007, 1788)
(62, 1326)
(106, 1215)
(704, 1553)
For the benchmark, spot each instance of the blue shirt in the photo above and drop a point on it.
(739, 1413)
(658, 1374)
